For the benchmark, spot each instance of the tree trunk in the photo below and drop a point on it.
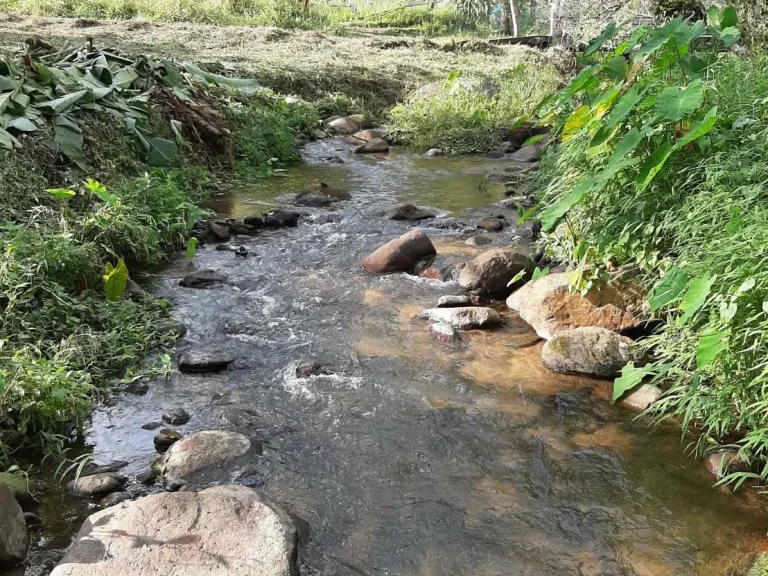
(513, 13)
(506, 29)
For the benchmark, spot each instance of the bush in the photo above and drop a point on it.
(665, 168)
(464, 114)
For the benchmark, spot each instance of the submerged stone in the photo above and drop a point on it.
(466, 318)
(197, 361)
(589, 350)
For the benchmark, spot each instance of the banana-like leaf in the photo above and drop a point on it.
(161, 152)
(8, 141)
(68, 138)
(22, 124)
(59, 105)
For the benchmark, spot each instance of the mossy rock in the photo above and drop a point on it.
(17, 484)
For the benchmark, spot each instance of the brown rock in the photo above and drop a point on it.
(219, 230)
(202, 279)
(223, 531)
(641, 398)
(114, 499)
(463, 318)
(517, 136)
(409, 212)
(343, 126)
(365, 136)
(492, 271)
(323, 189)
(491, 224)
(14, 539)
(95, 485)
(549, 307)
(588, 350)
(203, 456)
(722, 463)
(401, 254)
(530, 153)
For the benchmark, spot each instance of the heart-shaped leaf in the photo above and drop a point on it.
(676, 103)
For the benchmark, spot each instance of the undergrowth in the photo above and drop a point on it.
(469, 114)
(664, 167)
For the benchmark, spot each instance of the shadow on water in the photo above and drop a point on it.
(416, 458)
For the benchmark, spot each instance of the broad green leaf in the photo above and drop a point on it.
(534, 140)
(710, 346)
(241, 84)
(608, 33)
(676, 103)
(64, 103)
(8, 141)
(576, 121)
(99, 190)
(627, 144)
(624, 107)
(454, 75)
(115, 280)
(22, 124)
(699, 129)
(596, 144)
(730, 36)
(631, 377)
(657, 39)
(580, 82)
(2, 383)
(60, 192)
(176, 128)
(616, 68)
(695, 296)
(729, 18)
(552, 216)
(161, 152)
(653, 166)
(100, 70)
(124, 77)
(68, 138)
(192, 248)
(714, 16)
(668, 289)
(539, 273)
(693, 65)
(639, 34)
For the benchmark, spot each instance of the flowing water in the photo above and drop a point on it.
(413, 457)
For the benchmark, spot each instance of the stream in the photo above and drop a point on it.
(412, 457)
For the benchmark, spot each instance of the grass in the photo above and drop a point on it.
(468, 114)
(696, 234)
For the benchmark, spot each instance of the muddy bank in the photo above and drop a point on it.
(403, 455)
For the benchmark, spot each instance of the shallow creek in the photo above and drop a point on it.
(417, 458)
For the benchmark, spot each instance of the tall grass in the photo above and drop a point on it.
(468, 114)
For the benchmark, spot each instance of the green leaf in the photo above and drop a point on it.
(676, 103)
(616, 68)
(516, 278)
(608, 33)
(693, 65)
(539, 273)
(581, 81)
(191, 247)
(668, 288)
(240, 84)
(177, 128)
(639, 33)
(68, 138)
(59, 105)
(2, 382)
(22, 124)
(7, 140)
(630, 378)
(624, 107)
(161, 152)
(627, 144)
(60, 192)
(98, 189)
(576, 121)
(730, 36)
(454, 75)
(713, 16)
(695, 296)
(653, 166)
(124, 77)
(710, 346)
(115, 280)
(552, 216)
(701, 128)
(729, 19)
(658, 38)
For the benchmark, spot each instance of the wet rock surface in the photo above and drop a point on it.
(222, 531)
(641, 398)
(96, 484)
(202, 279)
(454, 301)
(176, 416)
(409, 212)
(401, 254)
(492, 271)
(589, 350)
(204, 457)
(465, 318)
(165, 439)
(14, 540)
(195, 361)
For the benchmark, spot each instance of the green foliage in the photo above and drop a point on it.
(687, 207)
(468, 114)
(115, 280)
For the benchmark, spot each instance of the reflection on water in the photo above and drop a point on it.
(413, 457)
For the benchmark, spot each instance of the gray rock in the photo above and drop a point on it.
(238, 417)
(147, 476)
(377, 146)
(593, 351)
(444, 333)
(202, 279)
(165, 439)
(530, 153)
(198, 361)
(409, 212)
(432, 152)
(479, 240)
(491, 224)
(282, 219)
(313, 200)
(104, 468)
(401, 254)
(492, 271)
(453, 301)
(219, 230)
(114, 499)
(640, 399)
(466, 318)
(133, 291)
(254, 221)
(342, 126)
(176, 416)
(18, 484)
(14, 540)
(223, 531)
(204, 457)
(95, 485)
(151, 425)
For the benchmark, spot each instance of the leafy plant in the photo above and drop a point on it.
(115, 280)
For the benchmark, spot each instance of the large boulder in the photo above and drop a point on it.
(409, 212)
(202, 279)
(365, 136)
(588, 350)
(222, 531)
(463, 318)
(14, 539)
(324, 190)
(401, 254)
(532, 152)
(549, 307)
(204, 457)
(379, 145)
(96, 484)
(492, 271)
(518, 135)
(342, 126)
